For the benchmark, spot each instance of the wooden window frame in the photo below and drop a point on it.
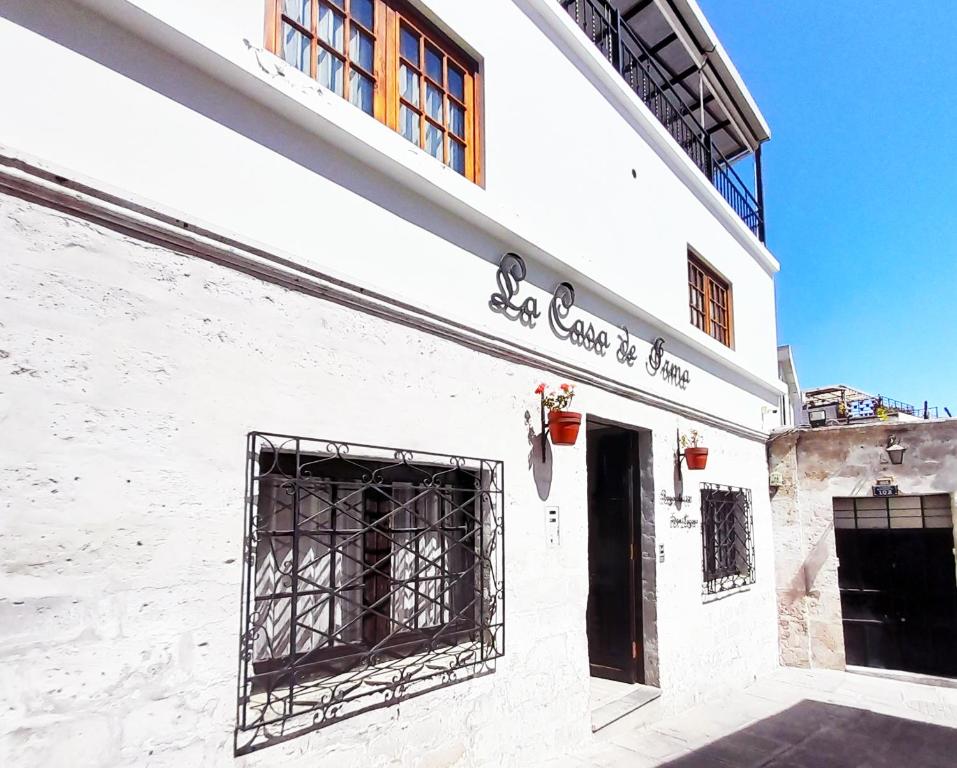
(712, 285)
(390, 16)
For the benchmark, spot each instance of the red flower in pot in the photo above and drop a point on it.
(563, 425)
(696, 457)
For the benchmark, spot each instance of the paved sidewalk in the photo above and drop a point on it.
(793, 719)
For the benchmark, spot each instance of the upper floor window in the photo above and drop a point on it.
(709, 297)
(392, 64)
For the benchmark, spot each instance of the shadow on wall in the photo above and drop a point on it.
(539, 459)
(813, 734)
(679, 483)
(802, 582)
(819, 556)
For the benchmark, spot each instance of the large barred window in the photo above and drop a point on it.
(372, 575)
(727, 545)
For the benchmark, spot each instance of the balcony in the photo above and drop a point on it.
(842, 404)
(732, 132)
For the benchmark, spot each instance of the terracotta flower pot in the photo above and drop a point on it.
(563, 427)
(697, 458)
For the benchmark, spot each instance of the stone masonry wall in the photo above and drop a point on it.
(819, 465)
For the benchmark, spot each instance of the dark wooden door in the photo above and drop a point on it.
(899, 599)
(614, 608)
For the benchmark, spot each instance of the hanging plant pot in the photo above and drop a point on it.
(696, 458)
(563, 427)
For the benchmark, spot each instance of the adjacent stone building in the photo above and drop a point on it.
(864, 548)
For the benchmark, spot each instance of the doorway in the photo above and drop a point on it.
(614, 613)
(898, 584)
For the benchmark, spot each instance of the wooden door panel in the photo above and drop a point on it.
(612, 602)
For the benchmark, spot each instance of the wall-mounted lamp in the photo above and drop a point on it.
(895, 451)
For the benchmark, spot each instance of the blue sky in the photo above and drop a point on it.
(860, 184)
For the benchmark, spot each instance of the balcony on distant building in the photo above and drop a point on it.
(841, 404)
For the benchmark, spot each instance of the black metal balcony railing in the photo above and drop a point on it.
(622, 47)
(871, 406)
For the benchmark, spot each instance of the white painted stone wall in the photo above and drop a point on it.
(196, 118)
(131, 375)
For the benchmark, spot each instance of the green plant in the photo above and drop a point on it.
(691, 440)
(556, 400)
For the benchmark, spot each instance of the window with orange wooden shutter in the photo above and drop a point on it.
(392, 64)
(709, 299)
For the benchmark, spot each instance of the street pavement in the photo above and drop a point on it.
(792, 719)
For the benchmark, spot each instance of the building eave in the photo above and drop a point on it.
(698, 35)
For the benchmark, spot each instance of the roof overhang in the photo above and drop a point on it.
(787, 368)
(702, 74)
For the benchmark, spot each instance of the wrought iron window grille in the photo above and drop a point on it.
(371, 575)
(726, 538)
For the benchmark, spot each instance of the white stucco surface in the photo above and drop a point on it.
(131, 372)
(269, 163)
(132, 375)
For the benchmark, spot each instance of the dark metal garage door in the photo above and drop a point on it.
(898, 582)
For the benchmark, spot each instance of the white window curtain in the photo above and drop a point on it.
(330, 545)
(419, 600)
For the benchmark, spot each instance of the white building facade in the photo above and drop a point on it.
(254, 335)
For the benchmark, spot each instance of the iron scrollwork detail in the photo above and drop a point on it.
(577, 332)
(370, 575)
(511, 272)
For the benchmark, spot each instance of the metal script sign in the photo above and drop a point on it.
(669, 371)
(885, 490)
(512, 272)
(683, 522)
(575, 331)
(674, 500)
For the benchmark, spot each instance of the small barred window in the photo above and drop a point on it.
(727, 544)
